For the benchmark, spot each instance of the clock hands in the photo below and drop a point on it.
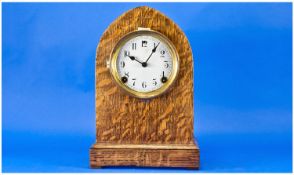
(134, 58)
(144, 64)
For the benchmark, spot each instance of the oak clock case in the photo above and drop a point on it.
(144, 100)
(144, 63)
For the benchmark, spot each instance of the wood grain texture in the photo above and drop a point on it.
(144, 157)
(145, 146)
(122, 119)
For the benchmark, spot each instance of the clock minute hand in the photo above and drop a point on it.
(153, 50)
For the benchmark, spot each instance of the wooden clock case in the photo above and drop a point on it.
(157, 132)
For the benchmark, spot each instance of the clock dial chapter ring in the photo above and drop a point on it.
(167, 82)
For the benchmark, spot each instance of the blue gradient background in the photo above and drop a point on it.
(243, 84)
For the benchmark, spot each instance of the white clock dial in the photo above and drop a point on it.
(144, 63)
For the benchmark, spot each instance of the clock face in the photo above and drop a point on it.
(145, 63)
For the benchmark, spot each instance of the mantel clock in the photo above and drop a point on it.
(144, 94)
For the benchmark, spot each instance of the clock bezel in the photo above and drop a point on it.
(114, 56)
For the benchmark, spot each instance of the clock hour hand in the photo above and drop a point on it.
(134, 58)
(153, 50)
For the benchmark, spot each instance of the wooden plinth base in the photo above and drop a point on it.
(186, 156)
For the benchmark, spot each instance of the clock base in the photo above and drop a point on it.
(156, 155)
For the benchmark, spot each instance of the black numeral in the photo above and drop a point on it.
(154, 81)
(122, 64)
(166, 65)
(126, 53)
(127, 74)
(134, 83)
(162, 53)
(144, 85)
(144, 43)
(134, 46)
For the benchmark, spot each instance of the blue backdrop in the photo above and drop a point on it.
(242, 71)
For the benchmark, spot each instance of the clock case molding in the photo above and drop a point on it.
(157, 132)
